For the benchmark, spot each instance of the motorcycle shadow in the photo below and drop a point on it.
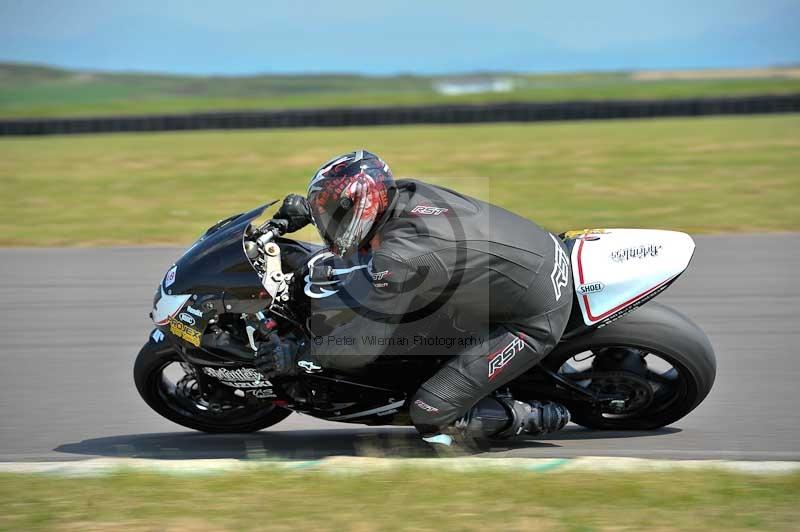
(575, 440)
(393, 442)
(576, 432)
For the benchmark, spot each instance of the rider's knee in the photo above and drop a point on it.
(430, 413)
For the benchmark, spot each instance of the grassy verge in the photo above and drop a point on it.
(31, 91)
(401, 500)
(722, 174)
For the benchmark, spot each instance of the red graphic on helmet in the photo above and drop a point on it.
(347, 196)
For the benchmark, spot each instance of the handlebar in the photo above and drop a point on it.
(277, 225)
(271, 229)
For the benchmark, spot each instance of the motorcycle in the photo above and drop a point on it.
(619, 365)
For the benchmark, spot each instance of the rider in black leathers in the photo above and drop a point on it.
(433, 249)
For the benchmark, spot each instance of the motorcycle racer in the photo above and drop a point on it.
(434, 249)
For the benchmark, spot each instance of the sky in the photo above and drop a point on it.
(387, 37)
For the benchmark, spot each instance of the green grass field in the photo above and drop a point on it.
(402, 500)
(32, 91)
(725, 174)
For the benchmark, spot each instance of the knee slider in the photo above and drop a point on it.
(429, 413)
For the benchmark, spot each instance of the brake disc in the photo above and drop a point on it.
(636, 391)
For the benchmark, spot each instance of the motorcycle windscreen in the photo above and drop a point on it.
(217, 263)
(615, 270)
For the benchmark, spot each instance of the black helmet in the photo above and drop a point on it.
(348, 195)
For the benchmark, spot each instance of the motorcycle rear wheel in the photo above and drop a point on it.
(657, 398)
(163, 396)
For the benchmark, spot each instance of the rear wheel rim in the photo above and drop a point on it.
(669, 382)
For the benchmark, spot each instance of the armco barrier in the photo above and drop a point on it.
(432, 114)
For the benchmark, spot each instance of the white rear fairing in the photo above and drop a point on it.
(616, 270)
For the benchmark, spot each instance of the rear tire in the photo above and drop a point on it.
(661, 331)
(147, 374)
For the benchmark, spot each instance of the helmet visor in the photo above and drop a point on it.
(343, 225)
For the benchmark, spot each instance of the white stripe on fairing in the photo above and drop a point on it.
(167, 307)
(383, 408)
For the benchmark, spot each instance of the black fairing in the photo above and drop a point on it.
(217, 263)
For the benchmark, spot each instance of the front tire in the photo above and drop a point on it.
(654, 330)
(164, 397)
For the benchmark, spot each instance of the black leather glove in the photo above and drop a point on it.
(294, 210)
(276, 357)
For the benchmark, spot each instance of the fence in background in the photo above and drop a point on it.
(430, 114)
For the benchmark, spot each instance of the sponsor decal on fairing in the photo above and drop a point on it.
(157, 336)
(238, 378)
(637, 252)
(186, 318)
(591, 288)
(196, 312)
(185, 332)
(262, 393)
(169, 278)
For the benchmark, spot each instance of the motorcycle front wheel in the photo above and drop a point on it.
(168, 386)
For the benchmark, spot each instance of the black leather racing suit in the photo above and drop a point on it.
(487, 268)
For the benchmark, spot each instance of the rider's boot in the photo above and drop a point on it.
(503, 418)
(534, 417)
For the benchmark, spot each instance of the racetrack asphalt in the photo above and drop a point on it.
(74, 319)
